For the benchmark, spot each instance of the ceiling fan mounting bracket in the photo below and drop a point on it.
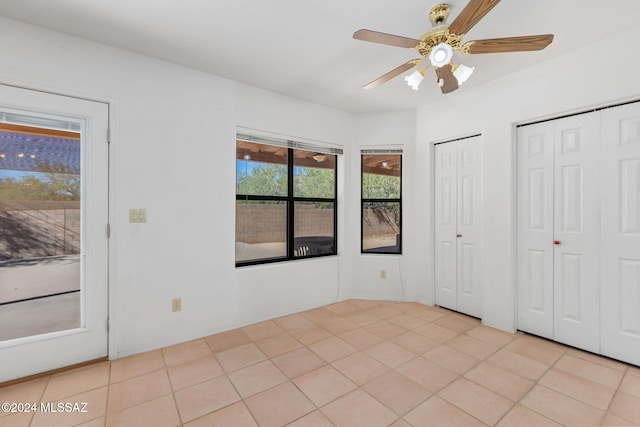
(439, 13)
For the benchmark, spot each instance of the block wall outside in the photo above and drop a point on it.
(267, 223)
(39, 229)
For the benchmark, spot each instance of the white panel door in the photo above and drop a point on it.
(458, 195)
(620, 285)
(54, 296)
(576, 255)
(535, 229)
(469, 227)
(446, 200)
(558, 230)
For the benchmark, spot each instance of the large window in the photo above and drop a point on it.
(381, 203)
(285, 203)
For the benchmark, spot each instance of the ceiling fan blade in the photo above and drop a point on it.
(391, 74)
(473, 12)
(384, 38)
(509, 44)
(449, 81)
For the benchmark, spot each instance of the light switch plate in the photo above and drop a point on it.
(137, 215)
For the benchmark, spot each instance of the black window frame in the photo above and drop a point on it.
(290, 200)
(364, 201)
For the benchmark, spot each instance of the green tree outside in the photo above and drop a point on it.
(264, 180)
(314, 182)
(377, 186)
(271, 180)
(53, 183)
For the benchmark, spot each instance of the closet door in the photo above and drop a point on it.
(458, 234)
(469, 227)
(620, 286)
(535, 153)
(576, 242)
(558, 230)
(446, 202)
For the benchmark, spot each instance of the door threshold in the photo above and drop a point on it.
(54, 371)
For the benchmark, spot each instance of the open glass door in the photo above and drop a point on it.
(53, 237)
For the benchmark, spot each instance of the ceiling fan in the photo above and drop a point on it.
(439, 43)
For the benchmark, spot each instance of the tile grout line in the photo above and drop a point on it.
(514, 403)
(565, 353)
(171, 387)
(44, 390)
(615, 391)
(536, 383)
(106, 401)
(615, 394)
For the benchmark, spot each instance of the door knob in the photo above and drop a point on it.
(458, 235)
(556, 242)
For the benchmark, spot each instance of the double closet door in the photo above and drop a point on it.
(558, 230)
(458, 194)
(579, 231)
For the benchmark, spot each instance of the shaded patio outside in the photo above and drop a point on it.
(40, 230)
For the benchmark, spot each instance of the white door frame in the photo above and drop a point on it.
(95, 116)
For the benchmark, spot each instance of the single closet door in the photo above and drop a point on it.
(558, 230)
(458, 194)
(620, 286)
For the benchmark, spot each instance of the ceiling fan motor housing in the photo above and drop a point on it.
(434, 37)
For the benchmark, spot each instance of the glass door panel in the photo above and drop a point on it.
(40, 233)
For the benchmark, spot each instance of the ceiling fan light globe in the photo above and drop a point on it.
(462, 73)
(414, 79)
(440, 55)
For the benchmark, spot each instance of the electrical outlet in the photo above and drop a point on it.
(176, 304)
(383, 274)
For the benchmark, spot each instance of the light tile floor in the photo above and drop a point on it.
(354, 363)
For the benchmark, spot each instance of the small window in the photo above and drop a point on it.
(381, 203)
(285, 203)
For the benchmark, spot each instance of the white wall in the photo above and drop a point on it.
(569, 83)
(173, 145)
(403, 274)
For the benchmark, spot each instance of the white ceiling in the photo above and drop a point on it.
(304, 48)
